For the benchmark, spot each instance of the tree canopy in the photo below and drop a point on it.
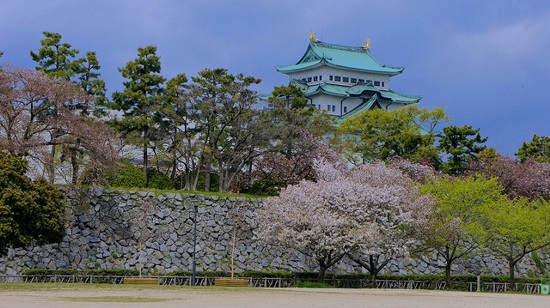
(368, 211)
(538, 149)
(407, 132)
(31, 212)
(140, 100)
(455, 228)
(462, 144)
(516, 227)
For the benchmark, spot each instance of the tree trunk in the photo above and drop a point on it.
(207, 169)
(50, 164)
(145, 164)
(321, 274)
(376, 267)
(448, 274)
(512, 265)
(75, 166)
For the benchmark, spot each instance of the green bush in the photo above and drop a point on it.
(127, 175)
(158, 180)
(100, 272)
(316, 285)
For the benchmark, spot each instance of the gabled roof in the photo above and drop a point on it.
(365, 89)
(367, 105)
(354, 58)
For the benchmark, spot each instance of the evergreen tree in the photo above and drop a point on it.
(140, 100)
(538, 149)
(55, 58)
(462, 144)
(88, 79)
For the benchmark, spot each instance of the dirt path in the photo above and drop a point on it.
(82, 297)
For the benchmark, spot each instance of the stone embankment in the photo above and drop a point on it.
(111, 229)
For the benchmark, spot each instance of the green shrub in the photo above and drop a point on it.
(100, 272)
(159, 180)
(538, 262)
(127, 175)
(311, 285)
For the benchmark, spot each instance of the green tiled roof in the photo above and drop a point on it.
(357, 90)
(368, 105)
(355, 58)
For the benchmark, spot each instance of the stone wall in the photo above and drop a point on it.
(116, 229)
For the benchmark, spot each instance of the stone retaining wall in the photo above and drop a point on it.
(107, 227)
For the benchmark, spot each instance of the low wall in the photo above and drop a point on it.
(118, 229)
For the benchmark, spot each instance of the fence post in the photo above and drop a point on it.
(478, 283)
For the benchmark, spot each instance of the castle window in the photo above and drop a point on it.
(361, 80)
(330, 77)
(321, 77)
(383, 84)
(377, 83)
(353, 80)
(345, 79)
(308, 79)
(345, 109)
(315, 78)
(337, 78)
(333, 107)
(328, 107)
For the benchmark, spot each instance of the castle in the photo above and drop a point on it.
(345, 80)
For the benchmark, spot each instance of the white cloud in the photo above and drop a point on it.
(510, 46)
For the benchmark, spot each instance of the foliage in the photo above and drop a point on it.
(529, 179)
(314, 285)
(462, 144)
(127, 174)
(35, 119)
(178, 132)
(158, 180)
(455, 228)
(538, 149)
(54, 58)
(381, 134)
(517, 228)
(288, 115)
(88, 79)
(541, 266)
(370, 210)
(274, 170)
(31, 212)
(92, 272)
(223, 108)
(140, 100)
(57, 60)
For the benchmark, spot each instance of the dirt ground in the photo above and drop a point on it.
(82, 297)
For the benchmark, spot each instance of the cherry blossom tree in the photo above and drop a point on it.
(389, 202)
(529, 179)
(274, 170)
(365, 212)
(35, 116)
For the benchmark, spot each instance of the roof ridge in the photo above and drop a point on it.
(340, 47)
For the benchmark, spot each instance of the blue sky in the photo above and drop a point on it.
(486, 62)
